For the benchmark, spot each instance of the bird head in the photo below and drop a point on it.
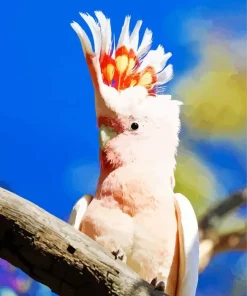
(138, 122)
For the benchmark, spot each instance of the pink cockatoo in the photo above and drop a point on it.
(135, 213)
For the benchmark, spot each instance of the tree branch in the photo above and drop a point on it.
(228, 205)
(52, 252)
(55, 254)
(209, 247)
(232, 241)
(211, 242)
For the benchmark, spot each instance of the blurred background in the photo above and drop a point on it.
(49, 140)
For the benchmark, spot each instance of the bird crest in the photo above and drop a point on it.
(129, 63)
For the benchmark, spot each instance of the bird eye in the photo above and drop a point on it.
(134, 126)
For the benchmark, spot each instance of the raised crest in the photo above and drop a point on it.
(129, 63)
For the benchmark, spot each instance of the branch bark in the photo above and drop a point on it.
(52, 252)
(55, 254)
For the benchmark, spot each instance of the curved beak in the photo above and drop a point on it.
(105, 135)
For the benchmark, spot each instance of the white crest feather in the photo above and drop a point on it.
(113, 47)
(165, 76)
(105, 29)
(134, 37)
(85, 42)
(150, 64)
(157, 58)
(124, 35)
(95, 29)
(145, 44)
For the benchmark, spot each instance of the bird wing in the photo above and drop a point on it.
(188, 247)
(79, 210)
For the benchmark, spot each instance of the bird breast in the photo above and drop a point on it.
(136, 190)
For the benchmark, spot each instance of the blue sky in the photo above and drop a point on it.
(49, 141)
(47, 114)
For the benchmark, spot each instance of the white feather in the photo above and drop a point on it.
(155, 58)
(108, 37)
(113, 46)
(189, 247)
(85, 42)
(163, 62)
(145, 44)
(134, 37)
(95, 29)
(79, 210)
(105, 29)
(124, 36)
(165, 76)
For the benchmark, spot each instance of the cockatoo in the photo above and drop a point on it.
(135, 213)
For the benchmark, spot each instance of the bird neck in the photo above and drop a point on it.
(163, 167)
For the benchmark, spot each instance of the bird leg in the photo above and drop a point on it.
(158, 286)
(119, 254)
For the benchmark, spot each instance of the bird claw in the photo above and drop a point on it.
(118, 255)
(158, 286)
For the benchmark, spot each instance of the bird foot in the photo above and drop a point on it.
(158, 286)
(119, 254)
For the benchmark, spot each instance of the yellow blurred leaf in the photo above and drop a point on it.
(214, 92)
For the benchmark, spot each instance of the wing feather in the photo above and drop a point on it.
(79, 210)
(189, 247)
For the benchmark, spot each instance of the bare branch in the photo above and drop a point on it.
(232, 241)
(211, 242)
(55, 254)
(230, 204)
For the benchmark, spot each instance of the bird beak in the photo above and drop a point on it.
(105, 135)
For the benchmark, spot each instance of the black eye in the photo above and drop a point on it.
(134, 126)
